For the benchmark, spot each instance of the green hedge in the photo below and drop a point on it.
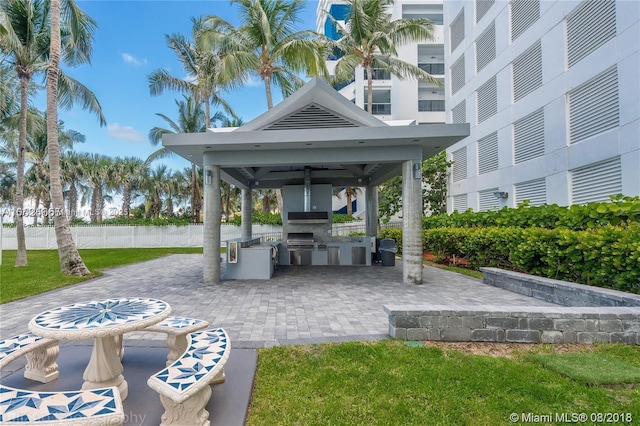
(619, 210)
(605, 257)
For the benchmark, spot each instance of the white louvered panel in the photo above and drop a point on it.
(486, 47)
(594, 106)
(523, 14)
(457, 30)
(487, 100)
(311, 117)
(527, 71)
(459, 113)
(460, 164)
(460, 203)
(488, 153)
(457, 75)
(488, 201)
(528, 136)
(534, 190)
(592, 24)
(595, 182)
(482, 7)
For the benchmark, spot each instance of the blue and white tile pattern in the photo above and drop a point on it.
(206, 350)
(10, 346)
(100, 314)
(20, 406)
(179, 322)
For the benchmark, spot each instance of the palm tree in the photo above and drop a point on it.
(97, 168)
(73, 175)
(37, 155)
(266, 44)
(126, 175)
(191, 119)
(34, 40)
(201, 66)
(369, 40)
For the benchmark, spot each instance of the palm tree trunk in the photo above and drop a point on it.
(369, 89)
(70, 261)
(21, 255)
(35, 216)
(267, 86)
(126, 200)
(73, 201)
(99, 204)
(196, 202)
(94, 205)
(46, 204)
(349, 202)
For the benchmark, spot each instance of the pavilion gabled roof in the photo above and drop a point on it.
(315, 105)
(316, 128)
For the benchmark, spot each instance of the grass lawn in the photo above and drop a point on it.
(43, 273)
(390, 383)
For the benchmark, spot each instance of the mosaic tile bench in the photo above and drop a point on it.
(41, 355)
(94, 407)
(177, 329)
(184, 386)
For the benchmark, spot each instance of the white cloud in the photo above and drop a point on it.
(126, 133)
(130, 59)
(254, 81)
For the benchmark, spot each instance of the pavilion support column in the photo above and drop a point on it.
(412, 222)
(247, 209)
(371, 205)
(212, 219)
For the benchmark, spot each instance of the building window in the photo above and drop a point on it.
(457, 75)
(460, 164)
(488, 201)
(523, 14)
(487, 95)
(430, 105)
(381, 102)
(378, 74)
(432, 12)
(534, 191)
(595, 182)
(486, 47)
(527, 72)
(488, 153)
(459, 113)
(590, 25)
(460, 203)
(433, 69)
(528, 136)
(457, 30)
(594, 106)
(482, 7)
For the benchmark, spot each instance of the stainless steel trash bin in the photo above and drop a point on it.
(388, 252)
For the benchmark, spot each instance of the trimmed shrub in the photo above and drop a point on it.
(607, 256)
(620, 210)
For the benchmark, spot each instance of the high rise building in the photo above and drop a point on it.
(551, 90)
(394, 98)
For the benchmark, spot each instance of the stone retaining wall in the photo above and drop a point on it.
(522, 325)
(556, 291)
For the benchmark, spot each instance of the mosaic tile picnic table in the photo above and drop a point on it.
(105, 321)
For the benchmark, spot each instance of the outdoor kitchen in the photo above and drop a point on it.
(307, 238)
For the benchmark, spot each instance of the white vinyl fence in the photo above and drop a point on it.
(123, 236)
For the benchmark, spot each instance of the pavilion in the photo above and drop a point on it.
(319, 131)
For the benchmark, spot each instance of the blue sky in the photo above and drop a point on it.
(129, 44)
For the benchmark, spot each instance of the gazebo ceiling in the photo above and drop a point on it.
(315, 128)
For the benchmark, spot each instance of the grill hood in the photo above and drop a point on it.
(307, 218)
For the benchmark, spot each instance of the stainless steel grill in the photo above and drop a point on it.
(300, 241)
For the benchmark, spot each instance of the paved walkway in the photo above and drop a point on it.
(301, 304)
